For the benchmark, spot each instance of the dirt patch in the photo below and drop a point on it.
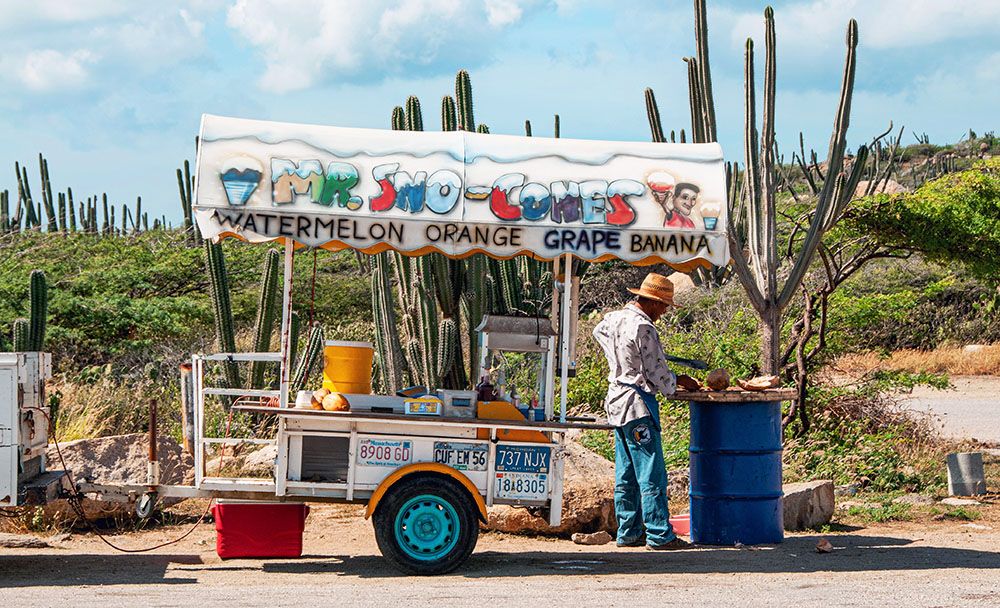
(120, 459)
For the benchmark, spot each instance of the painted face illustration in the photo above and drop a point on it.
(685, 197)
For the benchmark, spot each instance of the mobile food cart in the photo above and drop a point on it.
(429, 463)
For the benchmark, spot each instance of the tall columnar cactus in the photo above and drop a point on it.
(225, 334)
(63, 224)
(22, 336)
(267, 312)
(391, 363)
(50, 209)
(449, 115)
(555, 131)
(312, 354)
(5, 218)
(414, 117)
(758, 271)
(185, 187)
(463, 96)
(39, 290)
(527, 128)
(294, 330)
(398, 119)
(653, 114)
(106, 224)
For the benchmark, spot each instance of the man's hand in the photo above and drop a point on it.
(688, 383)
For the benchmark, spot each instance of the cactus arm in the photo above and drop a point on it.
(704, 71)
(768, 228)
(826, 207)
(653, 114)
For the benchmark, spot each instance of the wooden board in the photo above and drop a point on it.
(736, 397)
(469, 422)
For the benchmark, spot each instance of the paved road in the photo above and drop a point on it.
(905, 565)
(971, 410)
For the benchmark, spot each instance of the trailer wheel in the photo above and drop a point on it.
(426, 525)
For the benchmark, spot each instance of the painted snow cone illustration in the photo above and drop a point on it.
(711, 212)
(240, 178)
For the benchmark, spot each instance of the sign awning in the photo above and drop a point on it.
(461, 193)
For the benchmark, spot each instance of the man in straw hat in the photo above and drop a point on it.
(638, 371)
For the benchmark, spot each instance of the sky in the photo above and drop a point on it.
(112, 94)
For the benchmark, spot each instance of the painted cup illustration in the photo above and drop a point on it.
(240, 177)
(711, 212)
(661, 184)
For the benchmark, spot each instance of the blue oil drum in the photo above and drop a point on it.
(736, 473)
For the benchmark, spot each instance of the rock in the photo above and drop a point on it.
(951, 501)
(808, 504)
(824, 546)
(20, 541)
(913, 499)
(588, 499)
(119, 459)
(597, 538)
(850, 489)
(891, 186)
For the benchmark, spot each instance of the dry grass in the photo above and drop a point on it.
(967, 361)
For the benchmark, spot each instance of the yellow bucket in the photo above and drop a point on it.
(347, 367)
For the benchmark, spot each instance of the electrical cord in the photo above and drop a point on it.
(75, 501)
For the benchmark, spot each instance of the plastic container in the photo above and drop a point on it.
(736, 473)
(259, 529)
(681, 524)
(347, 367)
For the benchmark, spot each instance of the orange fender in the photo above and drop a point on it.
(425, 467)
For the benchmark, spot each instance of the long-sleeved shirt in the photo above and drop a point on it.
(635, 356)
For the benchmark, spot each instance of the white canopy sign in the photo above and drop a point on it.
(460, 193)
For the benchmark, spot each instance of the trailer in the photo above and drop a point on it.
(428, 462)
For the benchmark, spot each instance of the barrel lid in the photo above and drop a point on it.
(347, 343)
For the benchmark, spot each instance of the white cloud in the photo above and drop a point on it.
(503, 12)
(48, 69)
(819, 25)
(336, 40)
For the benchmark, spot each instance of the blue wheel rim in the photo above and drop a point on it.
(427, 527)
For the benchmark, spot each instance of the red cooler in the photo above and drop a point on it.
(259, 529)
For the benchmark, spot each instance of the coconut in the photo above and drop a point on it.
(717, 379)
(336, 402)
(317, 398)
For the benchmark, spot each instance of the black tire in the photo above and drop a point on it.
(443, 489)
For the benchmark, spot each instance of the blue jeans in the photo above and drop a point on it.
(641, 479)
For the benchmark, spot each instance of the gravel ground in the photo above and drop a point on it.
(972, 410)
(945, 564)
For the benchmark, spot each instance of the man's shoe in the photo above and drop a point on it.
(638, 542)
(673, 545)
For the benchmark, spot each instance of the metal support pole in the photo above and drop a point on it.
(565, 333)
(286, 322)
(153, 466)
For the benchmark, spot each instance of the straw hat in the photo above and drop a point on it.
(656, 287)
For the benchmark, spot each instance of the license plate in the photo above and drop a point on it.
(521, 486)
(522, 459)
(384, 452)
(461, 456)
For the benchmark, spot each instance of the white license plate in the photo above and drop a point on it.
(384, 452)
(521, 486)
(461, 456)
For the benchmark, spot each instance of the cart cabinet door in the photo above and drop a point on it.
(8, 437)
